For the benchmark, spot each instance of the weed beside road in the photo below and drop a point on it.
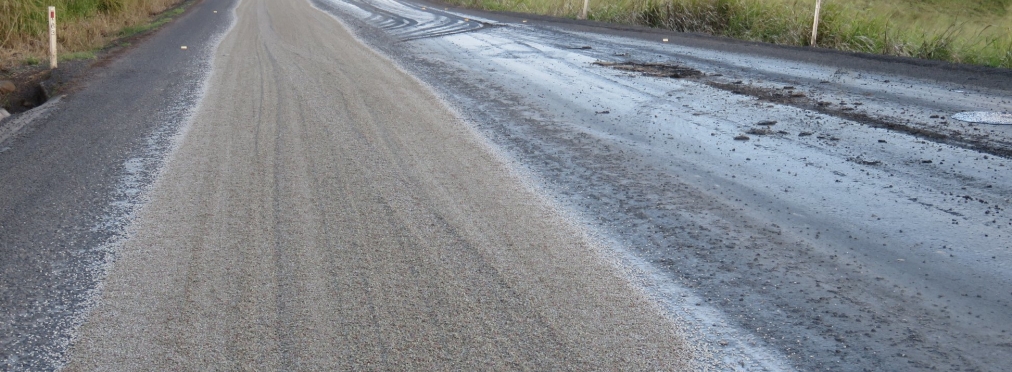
(962, 31)
(82, 25)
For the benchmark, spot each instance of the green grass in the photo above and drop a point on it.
(161, 20)
(77, 56)
(28, 17)
(963, 31)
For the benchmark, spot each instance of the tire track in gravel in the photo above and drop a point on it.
(325, 210)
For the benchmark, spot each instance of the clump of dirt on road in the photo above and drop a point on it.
(653, 69)
(791, 97)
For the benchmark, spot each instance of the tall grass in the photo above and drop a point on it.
(964, 31)
(82, 25)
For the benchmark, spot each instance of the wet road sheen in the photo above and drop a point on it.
(821, 204)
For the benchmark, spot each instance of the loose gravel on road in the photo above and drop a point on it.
(326, 210)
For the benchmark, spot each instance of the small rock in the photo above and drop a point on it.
(933, 117)
(797, 95)
(741, 137)
(789, 87)
(865, 162)
(767, 122)
(805, 134)
(6, 86)
(881, 141)
(602, 112)
(926, 161)
(722, 343)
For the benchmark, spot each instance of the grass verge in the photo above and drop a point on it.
(82, 25)
(75, 56)
(961, 31)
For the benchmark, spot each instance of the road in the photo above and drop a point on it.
(325, 210)
(71, 178)
(401, 185)
(822, 205)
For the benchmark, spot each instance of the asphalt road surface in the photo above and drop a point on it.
(402, 185)
(822, 207)
(325, 210)
(71, 176)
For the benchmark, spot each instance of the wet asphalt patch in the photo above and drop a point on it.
(788, 96)
(821, 312)
(984, 117)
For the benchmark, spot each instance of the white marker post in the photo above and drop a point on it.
(52, 37)
(815, 23)
(583, 14)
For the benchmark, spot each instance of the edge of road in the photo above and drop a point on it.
(971, 75)
(43, 84)
(110, 135)
(128, 210)
(67, 80)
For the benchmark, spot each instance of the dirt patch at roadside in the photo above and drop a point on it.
(34, 85)
(27, 92)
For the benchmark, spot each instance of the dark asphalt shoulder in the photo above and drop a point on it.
(71, 178)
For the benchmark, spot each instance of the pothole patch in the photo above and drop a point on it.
(653, 69)
(985, 117)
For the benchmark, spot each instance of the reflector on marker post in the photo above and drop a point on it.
(52, 37)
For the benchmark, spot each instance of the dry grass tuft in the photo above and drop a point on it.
(82, 25)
